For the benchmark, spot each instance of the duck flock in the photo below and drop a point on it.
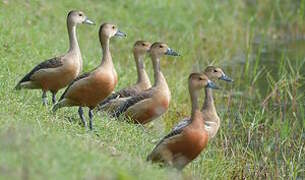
(141, 102)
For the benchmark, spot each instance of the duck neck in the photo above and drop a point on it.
(142, 75)
(107, 59)
(212, 121)
(208, 104)
(194, 101)
(159, 78)
(195, 115)
(72, 37)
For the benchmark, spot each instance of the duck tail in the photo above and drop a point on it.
(56, 106)
(18, 86)
(148, 158)
(61, 103)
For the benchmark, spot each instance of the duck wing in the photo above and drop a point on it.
(126, 92)
(47, 64)
(185, 122)
(155, 154)
(130, 102)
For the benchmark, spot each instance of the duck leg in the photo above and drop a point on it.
(81, 115)
(53, 97)
(90, 118)
(44, 98)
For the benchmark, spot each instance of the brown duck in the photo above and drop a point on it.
(111, 102)
(181, 146)
(211, 118)
(153, 102)
(58, 72)
(91, 88)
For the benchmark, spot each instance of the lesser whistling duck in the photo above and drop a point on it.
(181, 146)
(91, 88)
(139, 50)
(56, 73)
(211, 119)
(153, 102)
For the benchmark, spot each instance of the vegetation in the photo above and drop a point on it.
(259, 43)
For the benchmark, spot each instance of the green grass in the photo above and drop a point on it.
(262, 113)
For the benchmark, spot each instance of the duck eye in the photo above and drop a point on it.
(160, 46)
(215, 70)
(200, 78)
(80, 14)
(143, 44)
(113, 27)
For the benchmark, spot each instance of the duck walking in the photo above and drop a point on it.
(139, 50)
(181, 146)
(54, 74)
(91, 88)
(211, 118)
(153, 102)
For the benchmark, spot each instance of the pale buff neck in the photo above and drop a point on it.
(107, 59)
(196, 114)
(208, 104)
(72, 38)
(209, 110)
(194, 100)
(142, 75)
(159, 78)
(212, 127)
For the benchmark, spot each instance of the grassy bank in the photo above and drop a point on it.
(258, 43)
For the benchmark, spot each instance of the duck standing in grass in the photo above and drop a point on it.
(181, 146)
(139, 51)
(58, 72)
(153, 102)
(211, 118)
(91, 88)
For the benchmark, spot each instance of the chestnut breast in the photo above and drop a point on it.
(93, 89)
(161, 102)
(151, 108)
(190, 144)
(142, 117)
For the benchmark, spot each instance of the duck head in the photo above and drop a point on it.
(78, 17)
(140, 48)
(216, 73)
(159, 49)
(199, 80)
(109, 30)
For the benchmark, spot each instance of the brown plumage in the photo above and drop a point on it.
(56, 73)
(183, 145)
(152, 103)
(111, 102)
(91, 88)
(211, 119)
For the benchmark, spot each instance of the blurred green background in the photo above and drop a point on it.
(259, 43)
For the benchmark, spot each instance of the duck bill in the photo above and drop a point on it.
(226, 78)
(120, 34)
(212, 85)
(171, 52)
(88, 21)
